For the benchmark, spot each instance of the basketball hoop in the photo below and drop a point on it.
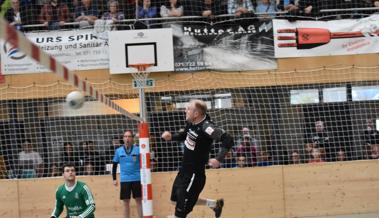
(141, 77)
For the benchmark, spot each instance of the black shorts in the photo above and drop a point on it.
(185, 192)
(130, 187)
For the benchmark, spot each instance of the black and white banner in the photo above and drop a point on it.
(227, 46)
(324, 38)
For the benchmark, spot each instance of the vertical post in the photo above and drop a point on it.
(147, 190)
(142, 106)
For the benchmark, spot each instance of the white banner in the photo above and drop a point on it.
(323, 38)
(78, 50)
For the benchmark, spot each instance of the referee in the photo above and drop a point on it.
(127, 156)
(198, 136)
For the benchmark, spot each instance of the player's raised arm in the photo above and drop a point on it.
(180, 136)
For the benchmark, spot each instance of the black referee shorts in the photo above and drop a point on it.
(127, 188)
(185, 192)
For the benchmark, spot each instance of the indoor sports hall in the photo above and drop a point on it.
(295, 83)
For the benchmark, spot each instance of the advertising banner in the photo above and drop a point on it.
(78, 50)
(325, 38)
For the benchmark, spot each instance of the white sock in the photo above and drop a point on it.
(211, 203)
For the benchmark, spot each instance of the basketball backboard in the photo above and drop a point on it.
(131, 47)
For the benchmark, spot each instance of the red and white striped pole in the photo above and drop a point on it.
(147, 188)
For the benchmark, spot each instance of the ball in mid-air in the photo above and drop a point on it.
(75, 99)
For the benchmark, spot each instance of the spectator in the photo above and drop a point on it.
(86, 14)
(341, 155)
(240, 7)
(246, 135)
(113, 14)
(370, 136)
(229, 161)
(29, 11)
(266, 8)
(109, 151)
(30, 161)
(316, 156)
(54, 170)
(322, 140)
(210, 8)
(14, 16)
(69, 155)
(264, 159)
(54, 14)
(295, 158)
(89, 169)
(248, 150)
(309, 7)
(129, 8)
(147, 10)
(172, 8)
(90, 155)
(290, 6)
(308, 151)
(374, 151)
(241, 161)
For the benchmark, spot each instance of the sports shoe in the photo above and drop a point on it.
(218, 208)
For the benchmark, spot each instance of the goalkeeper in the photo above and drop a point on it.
(198, 137)
(75, 195)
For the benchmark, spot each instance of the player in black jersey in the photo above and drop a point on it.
(198, 137)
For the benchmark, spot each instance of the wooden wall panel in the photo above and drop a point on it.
(9, 206)
(320, 190)
(331, 189)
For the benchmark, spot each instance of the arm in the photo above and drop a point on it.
(90, 202)
(114, 170)
(164, 11)
(116, 160)
(58, 206)
(180, 136)
(218, 135)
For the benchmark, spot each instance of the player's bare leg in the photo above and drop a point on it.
(215, 205)
(126, 208)
(139, 207)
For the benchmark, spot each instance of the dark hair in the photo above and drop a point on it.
(130, 131)
(168, 4)
(68, 164)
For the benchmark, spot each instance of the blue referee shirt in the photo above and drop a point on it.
(129, 163)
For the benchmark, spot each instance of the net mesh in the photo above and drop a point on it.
(57, 14)
(274, 117)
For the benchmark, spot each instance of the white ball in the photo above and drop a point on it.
(75, 99)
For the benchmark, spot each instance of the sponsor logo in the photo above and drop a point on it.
(13, 52)
(209, 130)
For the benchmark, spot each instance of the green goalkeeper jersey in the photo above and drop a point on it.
(77, 199)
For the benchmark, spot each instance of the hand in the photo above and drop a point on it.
(308, 9)
(61, 23)
(167, 135)
(214, 163)
(207, 13)
(115, 183)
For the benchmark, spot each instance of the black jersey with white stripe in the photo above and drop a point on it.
(198, 139)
